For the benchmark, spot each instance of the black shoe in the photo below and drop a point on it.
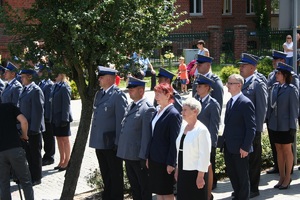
(254, 194)
(284, 187)
(277, 185)
(47, 162)
(62, 169)
(57, 167)
(274, 170)
(36, 182)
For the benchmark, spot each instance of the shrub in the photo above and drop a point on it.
(227, 71)
(265, 66)
(75, 93)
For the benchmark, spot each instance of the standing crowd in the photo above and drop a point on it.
(164, 144)
(31, 113)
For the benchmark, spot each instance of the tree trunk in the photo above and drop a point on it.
(72, 173)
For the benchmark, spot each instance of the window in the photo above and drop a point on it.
(196, 7)
(250, 7)
(227, 7)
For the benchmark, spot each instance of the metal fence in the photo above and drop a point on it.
(260, 43)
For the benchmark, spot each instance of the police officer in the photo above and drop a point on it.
(256, 90)
(31, 103)
(282, 114)
(109, 107)
(2, 83)
(165, 76)
(13, 87)
(210, 116)
(278, 56)
(134, 139)
(49, 141)
(204, 68)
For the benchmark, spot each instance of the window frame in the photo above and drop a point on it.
(248, 5)
(224, 5)
(201, 6)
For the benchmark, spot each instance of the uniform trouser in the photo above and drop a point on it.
(111, 168)
(238, 172)
(16, 159)
(139, 180)
(255, 163)
(49, 142)
(273, 148)
(34, 156)
(213, 163)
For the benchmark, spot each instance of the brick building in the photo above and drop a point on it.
(212, 18)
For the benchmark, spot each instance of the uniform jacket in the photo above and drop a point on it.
(163, 143)
(136, 132)
(177, 102)
(46, 86)
(2, 85)
(60, 99)
(31, 103)
(12, 92)
(210, 116)
(217, 92)
(107, 118)
(283, 107)
(239, 130)
(256, 90)
(261, 77)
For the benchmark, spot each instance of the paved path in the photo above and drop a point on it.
(52, 182)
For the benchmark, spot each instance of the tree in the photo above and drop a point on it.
(83, 34)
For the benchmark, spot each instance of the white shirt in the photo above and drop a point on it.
(235, 97)
(289, 46)
(158, 115)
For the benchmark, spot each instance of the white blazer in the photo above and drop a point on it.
(196, 148)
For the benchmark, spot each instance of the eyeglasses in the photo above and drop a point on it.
(288, 38)
(228, 83)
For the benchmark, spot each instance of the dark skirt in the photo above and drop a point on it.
(187, 188)
(283, 137)
(61, 131)
(161, 182)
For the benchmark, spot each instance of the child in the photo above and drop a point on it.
(183, 75)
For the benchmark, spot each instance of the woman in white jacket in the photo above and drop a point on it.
(193, 154)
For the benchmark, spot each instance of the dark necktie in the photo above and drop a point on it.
(132, 106)
(201, 102)
(229, 105)
(103, 93)
(6, 86)
(24, 89)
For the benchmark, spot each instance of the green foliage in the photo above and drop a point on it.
(265, 66)
(74, 93)
(227, 71)
(94, 180)
(262, 21)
